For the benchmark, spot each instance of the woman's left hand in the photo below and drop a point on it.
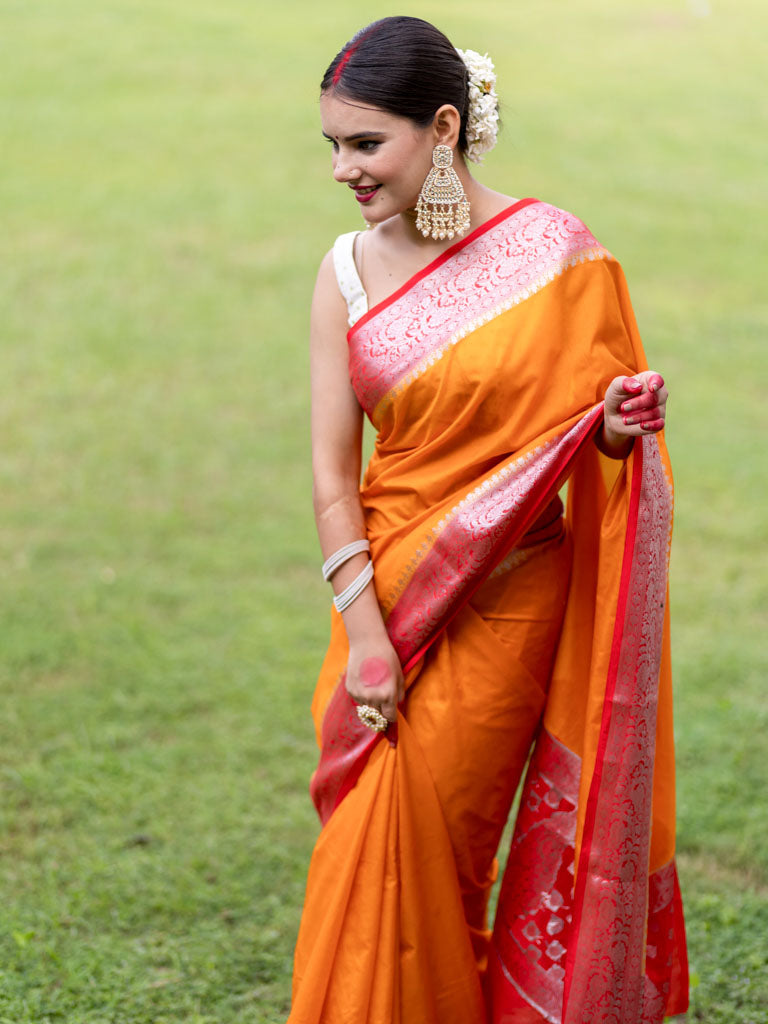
(635, 405)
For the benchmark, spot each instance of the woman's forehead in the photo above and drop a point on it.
(342, 117)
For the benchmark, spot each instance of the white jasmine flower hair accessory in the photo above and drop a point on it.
(483, 114)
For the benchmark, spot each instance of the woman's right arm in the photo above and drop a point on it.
(374, 675)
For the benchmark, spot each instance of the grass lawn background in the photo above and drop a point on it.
(165, 199)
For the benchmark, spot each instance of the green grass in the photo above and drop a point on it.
(166, 199)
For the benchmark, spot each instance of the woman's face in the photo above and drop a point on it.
(382, 158)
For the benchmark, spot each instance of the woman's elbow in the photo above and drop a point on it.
(330, 490)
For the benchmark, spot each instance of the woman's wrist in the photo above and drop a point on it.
(612, 444)
(363, 621)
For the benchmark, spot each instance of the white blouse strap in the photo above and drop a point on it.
(350, 285)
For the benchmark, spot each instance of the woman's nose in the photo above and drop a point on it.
(344, 168)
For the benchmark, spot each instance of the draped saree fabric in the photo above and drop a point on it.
(483, 376)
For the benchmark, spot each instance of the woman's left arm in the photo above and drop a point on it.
(633, 406)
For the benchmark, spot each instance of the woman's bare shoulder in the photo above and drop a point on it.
(329, 310)
(326, 283)
(326, 272)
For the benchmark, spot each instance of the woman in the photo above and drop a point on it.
(492, 344)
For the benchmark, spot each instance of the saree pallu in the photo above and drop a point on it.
(483, 376)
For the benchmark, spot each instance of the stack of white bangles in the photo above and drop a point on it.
(359, 583)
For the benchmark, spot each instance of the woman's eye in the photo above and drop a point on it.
(365, 145)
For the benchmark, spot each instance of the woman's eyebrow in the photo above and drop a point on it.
(355, 137)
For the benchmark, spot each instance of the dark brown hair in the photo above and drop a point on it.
(404, 66)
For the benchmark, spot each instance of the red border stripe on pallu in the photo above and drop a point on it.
(439, 261)
(548, 487)
(610, 689)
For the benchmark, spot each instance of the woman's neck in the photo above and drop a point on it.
(484, 203)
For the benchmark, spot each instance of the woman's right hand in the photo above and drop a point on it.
(375, 677)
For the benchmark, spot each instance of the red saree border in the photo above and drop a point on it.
(439, 261)
(626, 569)
(346, 748)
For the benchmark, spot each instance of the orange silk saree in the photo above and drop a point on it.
(483, 376)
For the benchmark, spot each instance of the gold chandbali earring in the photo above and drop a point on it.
(443, 208)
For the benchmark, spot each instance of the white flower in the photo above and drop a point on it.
(483, 114)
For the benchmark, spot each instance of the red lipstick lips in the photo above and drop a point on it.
(365, 196)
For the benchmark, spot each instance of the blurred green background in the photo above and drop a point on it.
(165, 199)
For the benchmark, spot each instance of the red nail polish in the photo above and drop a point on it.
(629, 420)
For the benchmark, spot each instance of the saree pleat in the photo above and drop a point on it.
(483, 377)
(386, 889)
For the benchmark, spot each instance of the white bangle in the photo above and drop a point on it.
(355, 588)
(338, 558)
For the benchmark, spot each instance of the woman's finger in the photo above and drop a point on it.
(644, 415)
(637, 415)
(648, 400)
(389, 710)
(379, 697)
(631, 385)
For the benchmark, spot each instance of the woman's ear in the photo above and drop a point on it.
(446, 126)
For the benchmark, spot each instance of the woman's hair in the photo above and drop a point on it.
(404, 66)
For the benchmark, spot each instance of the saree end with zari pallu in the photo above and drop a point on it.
(588, 927)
